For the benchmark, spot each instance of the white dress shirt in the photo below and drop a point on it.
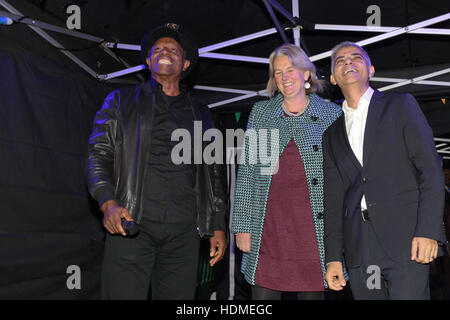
(355, 124)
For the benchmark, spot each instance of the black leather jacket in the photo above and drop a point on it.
(118, 156)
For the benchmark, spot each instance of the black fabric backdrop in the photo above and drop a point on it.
(48, 221)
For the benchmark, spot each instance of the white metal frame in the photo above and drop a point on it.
(443, 147)
(208, 51)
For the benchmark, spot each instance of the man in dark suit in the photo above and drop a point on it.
(384, 187)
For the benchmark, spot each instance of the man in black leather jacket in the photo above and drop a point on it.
(131, 174)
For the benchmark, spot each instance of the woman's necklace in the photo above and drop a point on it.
(295, 114)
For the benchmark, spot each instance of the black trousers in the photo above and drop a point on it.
(380, 278)
(163, 255)
(261, 293)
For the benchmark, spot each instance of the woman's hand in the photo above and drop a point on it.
(243, 242)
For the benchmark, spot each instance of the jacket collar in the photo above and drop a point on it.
(153, 86)
(376, 108)
(314, 110)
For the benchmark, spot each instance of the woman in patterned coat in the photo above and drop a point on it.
(278, 207)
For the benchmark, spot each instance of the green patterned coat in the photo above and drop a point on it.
(253, 184)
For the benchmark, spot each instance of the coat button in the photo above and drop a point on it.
(315, 181)
(364, 180)
(314, 118)
(320, 215)
(315, 147)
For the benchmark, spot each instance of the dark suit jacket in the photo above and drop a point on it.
(401, 178)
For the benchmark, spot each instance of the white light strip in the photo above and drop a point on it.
(243, 97)
(246, 96)
(336, 27)
(263, 93)
(406, 29)
(237, 40)
(381, 79)
(228, 90)
(234, 57)
(445, 144)
(296, 13)
(203, 50)
(124, 46)
(413, 80)
(422, 82)
(121, 72)
(434, 83)
(388, 35)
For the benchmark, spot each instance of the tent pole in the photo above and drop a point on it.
(51, 40)
(296, 30)
(283, 11)
(231, 42)
(121, 72)
(424, 82)
(275, 21)
(227, 90)
(243, 97)
(339, 27)
(388, 35)
(16, 15)
(445, 147)
(234, 57)
(205, 52)
(39, 25)
(414, 80)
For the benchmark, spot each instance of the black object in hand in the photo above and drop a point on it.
(130, 227)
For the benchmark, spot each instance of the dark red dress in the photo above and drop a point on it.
(289, 257)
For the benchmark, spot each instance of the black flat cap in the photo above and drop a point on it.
(180, 35)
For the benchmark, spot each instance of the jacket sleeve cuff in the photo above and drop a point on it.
(434, 232)
(219, 222)
(104, 194)
(238, 227)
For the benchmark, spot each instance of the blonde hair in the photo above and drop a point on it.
(299, 60)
